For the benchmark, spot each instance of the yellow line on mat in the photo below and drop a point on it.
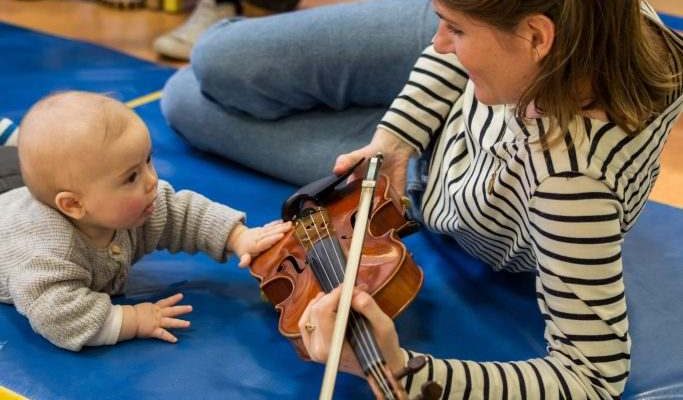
(6, 394)
(142, 100)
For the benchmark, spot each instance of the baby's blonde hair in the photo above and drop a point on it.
(57, 132)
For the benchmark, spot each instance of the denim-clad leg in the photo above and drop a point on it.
(10, 175)
(286, 94)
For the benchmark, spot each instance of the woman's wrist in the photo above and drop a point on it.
(400, 360)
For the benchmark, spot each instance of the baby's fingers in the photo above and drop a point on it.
(170, 301)
(176, 310)
(267, 241)
(273, 223)
(245, 260)
(174, 323)
(275, 228)
(163, 334)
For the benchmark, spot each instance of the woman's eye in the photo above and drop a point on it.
(133, 177)
(453, 30)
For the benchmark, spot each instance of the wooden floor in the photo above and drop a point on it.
(133, 32)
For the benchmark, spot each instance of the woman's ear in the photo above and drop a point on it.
(540, 30)
(69, 204)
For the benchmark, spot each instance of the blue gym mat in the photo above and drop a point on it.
(233, 350)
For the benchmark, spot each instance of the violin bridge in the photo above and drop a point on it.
(313, 227)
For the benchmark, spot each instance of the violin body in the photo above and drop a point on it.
(386, 267)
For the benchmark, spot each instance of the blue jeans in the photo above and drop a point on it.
(10, 176)
(286, 94)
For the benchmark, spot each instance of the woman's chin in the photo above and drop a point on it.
(486, 97)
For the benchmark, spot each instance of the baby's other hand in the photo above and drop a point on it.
(155, 318)
(247, 243)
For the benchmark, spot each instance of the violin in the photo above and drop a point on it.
(311, 258)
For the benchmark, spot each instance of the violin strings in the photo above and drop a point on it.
(337, 274)
(379, 378)
(365, 343)
(365, 331)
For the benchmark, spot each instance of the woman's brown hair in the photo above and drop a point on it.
(607, 44)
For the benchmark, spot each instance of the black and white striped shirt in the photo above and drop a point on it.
(561, 212)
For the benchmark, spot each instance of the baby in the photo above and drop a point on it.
(93, 206)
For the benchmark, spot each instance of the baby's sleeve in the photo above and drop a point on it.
(54, 295)
(189, 222)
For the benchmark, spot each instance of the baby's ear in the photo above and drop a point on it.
(69, 204)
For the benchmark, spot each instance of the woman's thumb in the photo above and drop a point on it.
(345, 161)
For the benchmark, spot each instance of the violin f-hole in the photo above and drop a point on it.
(290, 262)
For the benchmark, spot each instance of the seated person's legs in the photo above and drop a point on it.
(297, 149)
(10, 176)
(351, 57)
(338, 56)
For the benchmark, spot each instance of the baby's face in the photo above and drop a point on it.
(121, 189)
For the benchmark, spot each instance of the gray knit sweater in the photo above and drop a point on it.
(62, 284)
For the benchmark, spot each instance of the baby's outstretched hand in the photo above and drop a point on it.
(250, 242)
(154, 319)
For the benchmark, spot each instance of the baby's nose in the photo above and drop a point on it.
(152, 180)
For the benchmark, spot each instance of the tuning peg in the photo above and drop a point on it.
(414, 364)
(429, 390)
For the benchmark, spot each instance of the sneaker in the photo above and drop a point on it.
(8, 132)
(178, 42)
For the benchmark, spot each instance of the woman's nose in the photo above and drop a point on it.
(441, 40)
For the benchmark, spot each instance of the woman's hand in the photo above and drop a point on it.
(396, 154)
(317, 324)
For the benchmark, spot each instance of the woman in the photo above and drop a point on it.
(546, 120)
(541, 123)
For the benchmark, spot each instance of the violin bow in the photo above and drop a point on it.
(352, 262)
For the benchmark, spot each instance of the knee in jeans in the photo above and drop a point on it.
(175, 93)
(213, 67)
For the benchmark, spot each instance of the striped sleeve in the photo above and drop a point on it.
(420, 110)
(576, 230)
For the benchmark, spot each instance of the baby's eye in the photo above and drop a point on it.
(132, 178)
(149, 158)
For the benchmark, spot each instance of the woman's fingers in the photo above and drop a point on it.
(363, 303)
(306, 315)
(317, 325)
(382, 327)
(346, 161)
(309, 329)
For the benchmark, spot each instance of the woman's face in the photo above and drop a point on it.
(501, 65)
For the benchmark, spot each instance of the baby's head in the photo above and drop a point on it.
(88, 156)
